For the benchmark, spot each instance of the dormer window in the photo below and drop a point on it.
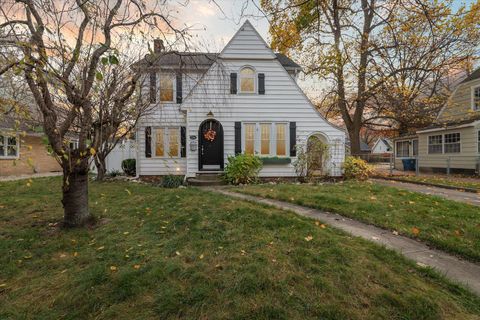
(247, 80)
(476, 98)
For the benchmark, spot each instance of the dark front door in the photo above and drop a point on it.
(211, 145)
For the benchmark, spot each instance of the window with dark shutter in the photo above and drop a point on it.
(238, 138)
(179, 88)
(183, 140)
(261, 83)
(148, 142)
(233, 83)
(293, 139)
(153, 87)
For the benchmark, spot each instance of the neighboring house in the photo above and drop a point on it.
(22, 150)
(382, 145)
(453, 141)
(211, 106)
(364, 147)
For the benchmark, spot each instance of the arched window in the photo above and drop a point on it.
(247, 80)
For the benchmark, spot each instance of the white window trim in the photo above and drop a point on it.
(459, 142)
(478, 141)
(174, 86)
(166, 142)
(428, 144)
(239, 82)
(418, 149)
(5, 145)
(472, 105)
(410, 146)
(257, 135)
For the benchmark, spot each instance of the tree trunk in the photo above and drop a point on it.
(354, 134)
(75, 198)
(101, 167)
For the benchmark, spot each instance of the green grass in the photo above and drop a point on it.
(447, 225)
(453, 181)
(200, 256)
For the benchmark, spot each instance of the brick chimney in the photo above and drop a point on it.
(158, 46)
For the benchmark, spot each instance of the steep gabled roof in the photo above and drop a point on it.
(473, 76)
(196, 60)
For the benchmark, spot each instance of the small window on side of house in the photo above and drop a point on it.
(476, 98)
(8, 146)
(403, 149)
(435, 144)
(452, 143)
(478, 138)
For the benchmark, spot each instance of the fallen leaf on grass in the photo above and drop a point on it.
(113, 268)
(129, 192)
(201, 256)
(415, 231)
(75, 254)
(136, 267)
(308, 238)
(178, 253)
(100, 248)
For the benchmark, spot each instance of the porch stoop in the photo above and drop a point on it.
(207, 179)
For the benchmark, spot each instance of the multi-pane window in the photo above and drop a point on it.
(8, 146)
(478, 137)
(281, 129)
(265, 139)
(173, 135)
(167, 142)
(159, 142)
(452, 143)
(435, 144)
(250, 138)
(415, 148)
(476, 98)
(166, 87)
(247, 80)
(403, 149)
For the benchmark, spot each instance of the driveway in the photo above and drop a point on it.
(455, 195)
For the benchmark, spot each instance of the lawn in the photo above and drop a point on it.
(444, 224)
(187, 253)
(453, 181)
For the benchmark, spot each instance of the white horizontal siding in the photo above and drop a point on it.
(247, 44)
(283, 102)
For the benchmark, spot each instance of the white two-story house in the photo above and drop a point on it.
(245, 99)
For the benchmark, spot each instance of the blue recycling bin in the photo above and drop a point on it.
(409, 164)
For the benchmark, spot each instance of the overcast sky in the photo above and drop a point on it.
(216, 22)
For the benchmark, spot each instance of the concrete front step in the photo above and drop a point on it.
(202, 182)
(208, 176)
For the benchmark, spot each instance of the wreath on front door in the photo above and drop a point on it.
(210, 135)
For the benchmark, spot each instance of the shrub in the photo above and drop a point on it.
(242, 168)
(129, 167)
(356, 168)
(171, 181)
(114, 173)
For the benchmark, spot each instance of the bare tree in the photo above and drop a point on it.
(118, 106)
(63, 44)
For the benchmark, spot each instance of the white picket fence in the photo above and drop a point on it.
(127, 149)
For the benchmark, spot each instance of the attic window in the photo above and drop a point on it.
(247, 80)
(476, 98)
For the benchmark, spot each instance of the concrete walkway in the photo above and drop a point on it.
(30, 176)
(455, 195)
(455, 269)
